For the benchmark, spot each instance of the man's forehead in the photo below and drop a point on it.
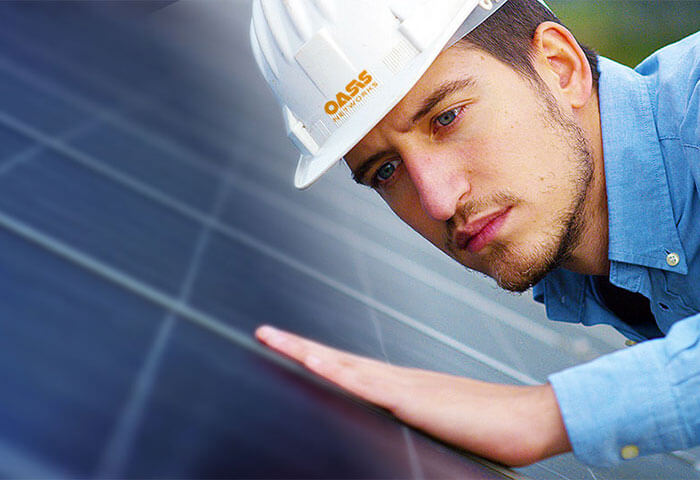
(455, 69)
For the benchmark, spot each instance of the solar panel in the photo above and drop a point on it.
(148, 225)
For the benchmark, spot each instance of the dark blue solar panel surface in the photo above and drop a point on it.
(148, 225)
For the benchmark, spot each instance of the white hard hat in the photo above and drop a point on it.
(339, 66)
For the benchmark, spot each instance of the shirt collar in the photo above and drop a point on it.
(642, 228)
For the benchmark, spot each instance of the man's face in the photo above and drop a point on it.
(485, 165)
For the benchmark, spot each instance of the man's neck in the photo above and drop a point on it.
(590, 257)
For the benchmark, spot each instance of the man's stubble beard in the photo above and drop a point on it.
(516, 269)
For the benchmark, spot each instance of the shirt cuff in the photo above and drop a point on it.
(621, 405)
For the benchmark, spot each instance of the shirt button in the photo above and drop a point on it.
(630, 343)
(673, 259)
(629, 452)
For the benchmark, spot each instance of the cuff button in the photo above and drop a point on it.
(629, 452)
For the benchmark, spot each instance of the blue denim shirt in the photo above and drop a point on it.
(648, 395)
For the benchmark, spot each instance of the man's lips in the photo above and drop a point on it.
(469, 235)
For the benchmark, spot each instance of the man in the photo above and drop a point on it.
(512, 157)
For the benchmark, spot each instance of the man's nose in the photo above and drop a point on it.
(440, 183)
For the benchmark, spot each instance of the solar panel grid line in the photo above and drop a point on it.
(414, 461)
(552, 471)
(593, 475)
(689, 457)
(513, 355)
(116, 119)
(17, 463)
(36, 149)
(91, 163)
(361, 269)
(131, 284)
(74, 102)
(115, 456)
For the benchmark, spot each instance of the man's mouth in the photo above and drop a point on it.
(478, 233)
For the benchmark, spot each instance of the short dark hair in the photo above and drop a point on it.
(507, 35)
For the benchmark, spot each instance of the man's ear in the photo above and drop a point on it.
(562, 60)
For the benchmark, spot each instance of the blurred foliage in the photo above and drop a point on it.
(628, 30)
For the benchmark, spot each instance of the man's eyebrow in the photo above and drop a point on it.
(438, 95)
(359, 173)
(428, 104)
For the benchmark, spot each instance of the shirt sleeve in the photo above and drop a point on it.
(641, 400)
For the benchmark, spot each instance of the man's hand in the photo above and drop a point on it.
(513, 425)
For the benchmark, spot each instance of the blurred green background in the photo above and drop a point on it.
(628, 30)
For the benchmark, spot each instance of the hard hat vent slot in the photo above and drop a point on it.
(320, 132)
(402, 53)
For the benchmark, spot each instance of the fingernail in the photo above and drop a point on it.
(265, 331)
(269, 334)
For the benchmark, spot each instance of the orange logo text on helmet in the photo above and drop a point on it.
(346, 100)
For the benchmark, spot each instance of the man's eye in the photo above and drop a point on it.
(385, 172)
(446, 118)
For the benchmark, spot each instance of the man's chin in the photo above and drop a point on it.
(516, 285)
(512, 269)
(517, 274)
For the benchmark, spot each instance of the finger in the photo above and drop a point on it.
(367, 378)
(306, 351)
